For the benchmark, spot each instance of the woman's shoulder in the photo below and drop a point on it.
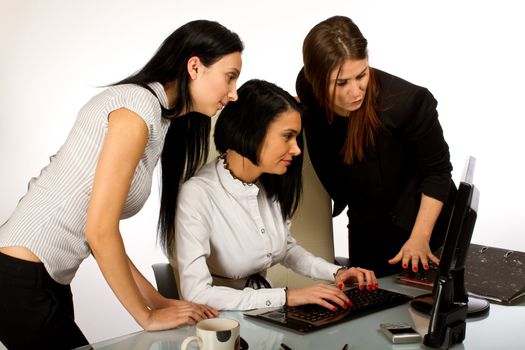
(399, 97)
(123, 95)
(134, 92)
(204, 180)
(304, 89)
(389, 83)
(312, 109)
(147, 104)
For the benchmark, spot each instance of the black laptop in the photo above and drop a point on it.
(309, 318)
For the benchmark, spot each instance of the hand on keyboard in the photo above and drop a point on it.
(363, 277)
(324, 295)
(364, 302)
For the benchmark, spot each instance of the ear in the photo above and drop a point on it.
(194, 66)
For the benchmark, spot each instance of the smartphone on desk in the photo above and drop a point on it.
(400, 333)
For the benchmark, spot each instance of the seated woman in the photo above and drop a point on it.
(233, 216)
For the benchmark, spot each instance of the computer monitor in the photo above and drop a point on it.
(450, 298)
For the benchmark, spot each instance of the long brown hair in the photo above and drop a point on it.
(325, 48)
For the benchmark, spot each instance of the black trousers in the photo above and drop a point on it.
(35, 311)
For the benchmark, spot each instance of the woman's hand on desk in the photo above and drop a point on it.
(416, 249)
(178, 313)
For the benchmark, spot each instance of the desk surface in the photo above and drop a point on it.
(502, 328)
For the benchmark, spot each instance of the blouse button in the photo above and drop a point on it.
(268, 303)
(263, 230)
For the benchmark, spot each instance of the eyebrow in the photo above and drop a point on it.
(350, 78)
(294, 131)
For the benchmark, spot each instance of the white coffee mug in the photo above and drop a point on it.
(216, 334)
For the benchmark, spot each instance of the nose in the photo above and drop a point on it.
(232, 94)
(295, 150)
(353, 88)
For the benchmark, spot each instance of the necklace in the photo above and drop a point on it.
(227, 167)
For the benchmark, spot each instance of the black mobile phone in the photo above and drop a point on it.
(400, 333)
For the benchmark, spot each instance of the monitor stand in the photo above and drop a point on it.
(476, 307)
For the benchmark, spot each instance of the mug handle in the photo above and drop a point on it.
(188, 340)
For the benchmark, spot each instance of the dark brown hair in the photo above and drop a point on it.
(326, 47)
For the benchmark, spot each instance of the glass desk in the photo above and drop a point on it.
(502, 328)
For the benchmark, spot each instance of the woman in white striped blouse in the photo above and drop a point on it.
(101, 175)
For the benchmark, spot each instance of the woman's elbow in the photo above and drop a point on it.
(198, 297)
(97, 236)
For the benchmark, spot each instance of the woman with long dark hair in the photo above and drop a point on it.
(103, 174)
(233, 220)
(376, 144)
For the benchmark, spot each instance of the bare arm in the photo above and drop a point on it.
(149, 293)
(124, 144)
(417, 247)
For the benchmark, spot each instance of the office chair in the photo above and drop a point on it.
(165, 279)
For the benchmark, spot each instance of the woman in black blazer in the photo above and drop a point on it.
(377, 146)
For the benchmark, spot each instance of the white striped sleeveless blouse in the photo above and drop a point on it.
(50, 219)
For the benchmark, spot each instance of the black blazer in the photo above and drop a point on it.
(409, 157)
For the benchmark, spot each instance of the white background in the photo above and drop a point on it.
(53, 55)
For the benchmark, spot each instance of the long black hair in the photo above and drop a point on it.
(187, 140)
(242, 127)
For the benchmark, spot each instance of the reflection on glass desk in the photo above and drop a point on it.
(502, 328)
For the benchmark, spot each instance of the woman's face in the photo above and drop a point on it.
(350, 86)
(212, 87)
(280, 143)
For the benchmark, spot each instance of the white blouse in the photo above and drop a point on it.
(226, 231)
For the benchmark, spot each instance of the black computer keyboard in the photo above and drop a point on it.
(363, 302)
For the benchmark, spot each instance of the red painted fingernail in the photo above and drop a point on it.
(344, 306)
(361, 287)
(341, 285)
(405, 266)
(414, 268)
(376, 285)
(349, 303)
(334, 309)
(425, 266)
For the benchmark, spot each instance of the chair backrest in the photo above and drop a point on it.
(165, 279)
